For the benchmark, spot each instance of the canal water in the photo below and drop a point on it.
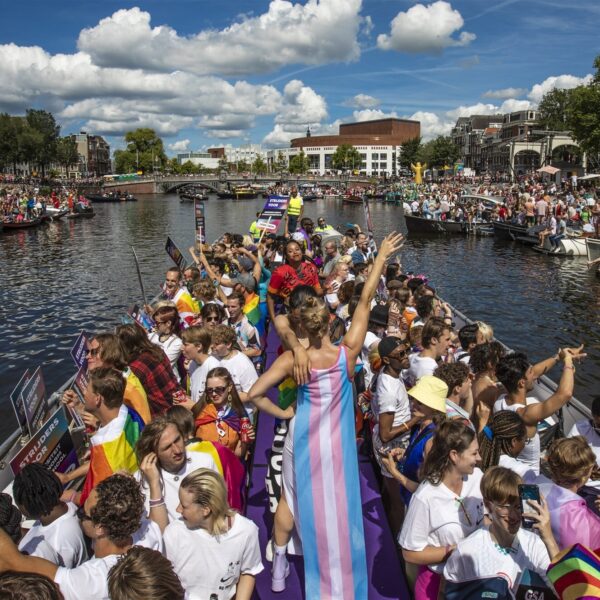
(80, 274)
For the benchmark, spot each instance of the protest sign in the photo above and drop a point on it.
(272, 213)
(79, 350)
(175, 253)
(140, 316)
(33, 396)
(17, 401)
(51, 446)
(200, 224)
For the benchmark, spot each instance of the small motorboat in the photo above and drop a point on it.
(352, 199)
(570, 245)
(56, 213)
(111, 197)
(416, 224)
(81, 212)
(187, 197)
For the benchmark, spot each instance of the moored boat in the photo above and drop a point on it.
(112, 197)
(352, 199)
(422, 225)
(25, 224)
(509, 231)
(570, 245)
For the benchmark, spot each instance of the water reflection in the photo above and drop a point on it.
(80, 274)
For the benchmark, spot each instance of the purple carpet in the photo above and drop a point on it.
(386, 579)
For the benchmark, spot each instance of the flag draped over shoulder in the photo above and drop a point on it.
(112, 449)
(135, 396)
(229, 466)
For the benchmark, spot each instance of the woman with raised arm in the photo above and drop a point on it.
(321, 449)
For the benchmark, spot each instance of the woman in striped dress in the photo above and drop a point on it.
(320, 454)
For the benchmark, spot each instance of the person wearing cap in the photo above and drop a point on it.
(393, 420)
(446, 507)
(378, 319)
(428, 403)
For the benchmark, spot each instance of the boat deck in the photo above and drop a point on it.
(386, 578)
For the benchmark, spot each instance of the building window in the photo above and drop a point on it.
(383, 166)
(328, 161)
(375, 156)
(314, 161)
(363, 156)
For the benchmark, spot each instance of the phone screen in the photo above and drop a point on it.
(528, 492)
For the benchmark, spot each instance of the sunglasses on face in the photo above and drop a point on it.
(212, 319)
(215, 391)
(93, 351)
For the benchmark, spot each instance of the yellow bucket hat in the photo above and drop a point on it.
(430, 391)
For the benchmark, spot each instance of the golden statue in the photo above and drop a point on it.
(418, 170)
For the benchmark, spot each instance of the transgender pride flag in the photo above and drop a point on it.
(328, 491)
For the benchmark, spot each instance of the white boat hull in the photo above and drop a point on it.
(569, 246)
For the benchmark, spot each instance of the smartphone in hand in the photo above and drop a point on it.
(528, 492)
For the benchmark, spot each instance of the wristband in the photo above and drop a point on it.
(569, 367)
(156, 502)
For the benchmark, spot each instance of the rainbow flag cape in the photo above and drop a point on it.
(135, 396)
(576, 574)
(112, 449)
(229, 466)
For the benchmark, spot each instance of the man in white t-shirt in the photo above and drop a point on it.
(518, 377)
(208, 564)
(503, 549)
(161, 446)
(110, 516)
(435, 339)
(37, 491)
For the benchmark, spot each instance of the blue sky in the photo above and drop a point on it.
(207, 73)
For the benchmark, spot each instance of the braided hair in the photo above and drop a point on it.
(496, 438)
(37, 490)
(10, 518)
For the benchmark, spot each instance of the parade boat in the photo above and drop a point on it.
(112, 197)
(56, 213)
(416, 224)
(509, 231)
(309, 198)
(81, 212)
(352, 199)
(187, 197)
(571, 245)
(25, 224)
(238, 193)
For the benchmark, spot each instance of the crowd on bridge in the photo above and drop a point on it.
(364, 357)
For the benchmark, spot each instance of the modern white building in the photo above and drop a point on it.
(204, 159)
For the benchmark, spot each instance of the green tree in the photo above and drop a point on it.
(10, 140)
(173, 166)
(242, 166)
(259, 166)
(43, 123)
(346, 157)
(410, 152)
(145, 152)
(299, 164)
(223, 164)
(553, 110)
(66, 153)
(583, 113)
(440, 152)
(188, 168)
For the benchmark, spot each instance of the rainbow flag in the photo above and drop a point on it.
(135, 396)
(228, 465)
(186, 305)
(287, 391)
(576, 574)
(112, 449)
(252, 311)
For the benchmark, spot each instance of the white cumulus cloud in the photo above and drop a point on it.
(426, 29)
(313, 33)
(362, 101)
(180, 146)
(563, 82)
(369, 114)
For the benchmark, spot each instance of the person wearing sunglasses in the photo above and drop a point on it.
(212, 314)
(219, 413)
(446, 507)
(110, 524)
(393, 420)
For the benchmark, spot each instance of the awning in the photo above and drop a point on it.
(548, 169)
(590, 176)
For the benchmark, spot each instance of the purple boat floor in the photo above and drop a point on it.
(386, 578)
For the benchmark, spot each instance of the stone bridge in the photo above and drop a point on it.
(174, 183)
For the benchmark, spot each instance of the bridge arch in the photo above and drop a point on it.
(169, 187)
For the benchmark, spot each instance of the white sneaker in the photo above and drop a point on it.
(279, 573)
(269, 550)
